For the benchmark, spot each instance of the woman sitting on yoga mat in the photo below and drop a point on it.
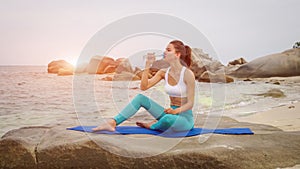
(179, 85)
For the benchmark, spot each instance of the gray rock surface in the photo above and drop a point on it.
(207, 69)
(202, 59)
(282, 64)
(42, 147)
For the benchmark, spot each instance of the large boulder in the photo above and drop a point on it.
(41, 147)
(202, 59)
(207, 69)
(99, 64)
(198, 71)
(104, 65)
(57, 65)
(18, 147)
(123, 65)
(282, 64)
(123, 71)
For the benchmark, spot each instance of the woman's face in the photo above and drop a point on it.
(170, 53)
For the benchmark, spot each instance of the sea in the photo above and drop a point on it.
(30, 96)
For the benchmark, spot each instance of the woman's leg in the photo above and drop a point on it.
(183, 124)
(177, 122)
(139, 101)
(165, 122)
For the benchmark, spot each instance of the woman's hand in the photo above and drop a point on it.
(171, 111)
(150, 59)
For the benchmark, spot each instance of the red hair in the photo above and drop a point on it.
(185, 52)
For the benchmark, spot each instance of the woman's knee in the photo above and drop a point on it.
(183, 125)
(140, 97)
(168, 119)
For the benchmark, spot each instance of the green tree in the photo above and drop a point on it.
(296, 45)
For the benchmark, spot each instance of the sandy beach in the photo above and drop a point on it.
(285, 117)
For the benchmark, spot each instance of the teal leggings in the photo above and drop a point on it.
(178, 122)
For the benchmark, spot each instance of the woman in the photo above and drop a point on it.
(179, 85)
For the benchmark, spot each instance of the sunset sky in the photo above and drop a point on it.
(35, 32)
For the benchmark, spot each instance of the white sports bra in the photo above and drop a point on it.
(180, 89)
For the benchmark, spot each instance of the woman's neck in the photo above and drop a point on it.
(176, 66)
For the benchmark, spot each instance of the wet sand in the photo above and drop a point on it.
(285, 117)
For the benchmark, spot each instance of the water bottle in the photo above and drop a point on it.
(157, 57)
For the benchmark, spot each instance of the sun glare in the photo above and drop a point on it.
(72, 61)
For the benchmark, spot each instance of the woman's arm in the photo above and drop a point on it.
(148, 83)
(145, 82)
(189, 79)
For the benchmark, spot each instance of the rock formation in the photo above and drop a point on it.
(205, 68)
(275, 93)
(282, 64)
(123, 65)
(56, 147)
(239, 61)
(99, 64)
(203, 60)
(60, 67)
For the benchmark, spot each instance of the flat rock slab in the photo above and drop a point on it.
(43, 147)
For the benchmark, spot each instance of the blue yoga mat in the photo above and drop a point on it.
(172, 134)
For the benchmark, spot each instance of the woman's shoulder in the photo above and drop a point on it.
(189, 75)
(188, 71)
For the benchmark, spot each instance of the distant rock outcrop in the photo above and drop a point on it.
(60, 67)
(105, 65)
(282, 64)
(123, 65)
(239, 61)
(99, 64)
(202, 59)
(207, 69)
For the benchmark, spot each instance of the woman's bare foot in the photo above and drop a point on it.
(108, 125)
(145, 125)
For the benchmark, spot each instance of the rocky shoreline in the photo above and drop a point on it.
(205, 68)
